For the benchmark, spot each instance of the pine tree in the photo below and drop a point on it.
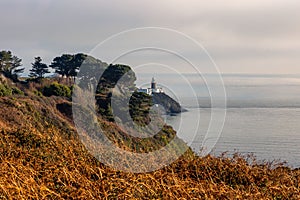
(67, 65)
(39, 69)
(9, 65)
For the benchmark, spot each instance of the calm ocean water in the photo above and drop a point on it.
(262, 114)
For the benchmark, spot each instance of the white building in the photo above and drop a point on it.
(145, 90)
(152, 89)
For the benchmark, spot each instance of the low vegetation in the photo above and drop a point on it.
(6, 90)
(44, 159)
(57, 89)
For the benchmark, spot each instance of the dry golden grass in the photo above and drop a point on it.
(41, 158)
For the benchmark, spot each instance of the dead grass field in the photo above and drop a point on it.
(41, 158)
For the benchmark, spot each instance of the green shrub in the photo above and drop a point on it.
(17, 91)
(57, 89)
(5, 90)
(37, 93)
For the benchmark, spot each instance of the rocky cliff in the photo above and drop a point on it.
(170, 105)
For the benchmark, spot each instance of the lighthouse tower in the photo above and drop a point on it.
(153, 84)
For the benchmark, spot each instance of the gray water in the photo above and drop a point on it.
(262, 115)
(269, 133)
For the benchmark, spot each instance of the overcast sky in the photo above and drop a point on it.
(249, 36)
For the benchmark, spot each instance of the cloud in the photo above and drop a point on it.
(251, 34)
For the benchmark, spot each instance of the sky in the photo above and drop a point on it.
(249, 36)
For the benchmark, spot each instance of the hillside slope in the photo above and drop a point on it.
(42, 158)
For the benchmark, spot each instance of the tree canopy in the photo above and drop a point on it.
(10, 65)
(68, 65)
(39, 69)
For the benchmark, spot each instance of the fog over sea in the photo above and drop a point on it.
(262, 114)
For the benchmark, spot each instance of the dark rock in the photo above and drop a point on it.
(171, 106)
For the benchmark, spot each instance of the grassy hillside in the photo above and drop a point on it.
(42, 158)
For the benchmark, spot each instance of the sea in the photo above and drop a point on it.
(259, 114)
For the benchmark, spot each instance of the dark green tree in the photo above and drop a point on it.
(62, 64)
(10, 65)
(5, 60)
(67, 65)
(77, 61)
(90, 71)
(39, 69)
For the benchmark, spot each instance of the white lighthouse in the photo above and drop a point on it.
(153, 84)
(153, 88)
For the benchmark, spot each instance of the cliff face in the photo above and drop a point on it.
(171, 106)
